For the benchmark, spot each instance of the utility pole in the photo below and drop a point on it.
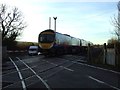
(49, 22)
(55, 23)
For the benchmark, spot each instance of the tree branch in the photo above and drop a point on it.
(11, 22)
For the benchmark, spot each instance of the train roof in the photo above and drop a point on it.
(48, 30)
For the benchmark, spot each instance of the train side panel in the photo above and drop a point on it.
(62, 39)
(75, 42)
(60, 43)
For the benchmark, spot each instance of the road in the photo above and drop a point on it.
(68, 71)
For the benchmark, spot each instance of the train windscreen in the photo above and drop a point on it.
(46, 38)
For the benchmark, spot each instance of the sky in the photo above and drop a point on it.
(85, 19)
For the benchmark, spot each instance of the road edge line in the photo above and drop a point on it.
(99, 81)
(96, 67)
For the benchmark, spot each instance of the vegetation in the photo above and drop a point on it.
(11, 25)
(111, 42)
(24, 45)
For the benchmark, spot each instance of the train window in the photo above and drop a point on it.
(46, 38)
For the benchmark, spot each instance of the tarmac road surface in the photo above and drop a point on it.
(68, 71)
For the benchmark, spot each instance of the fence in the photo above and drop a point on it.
(103, 55)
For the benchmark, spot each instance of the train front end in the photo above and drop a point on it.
(46, 40)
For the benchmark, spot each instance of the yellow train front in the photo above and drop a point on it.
(54, 43)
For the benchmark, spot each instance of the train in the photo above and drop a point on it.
(54, 43)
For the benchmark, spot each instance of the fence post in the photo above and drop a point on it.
(89, 56)
(0, 59)
(117, 58)
(117, 62)
(105, 53)
(115, 48)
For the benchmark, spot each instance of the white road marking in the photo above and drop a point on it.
(81, 60)
(96, 67)
(47, 86)
(67, 68)
(99, 81)
(60, 66)
(19, 73)
(16, 71)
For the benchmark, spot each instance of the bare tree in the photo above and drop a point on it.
(116, 22)
(11, 23)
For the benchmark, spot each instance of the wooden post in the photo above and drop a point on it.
(115, 48)
(105, 53)
(89, 55)
(0, 58)
(117, 62)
